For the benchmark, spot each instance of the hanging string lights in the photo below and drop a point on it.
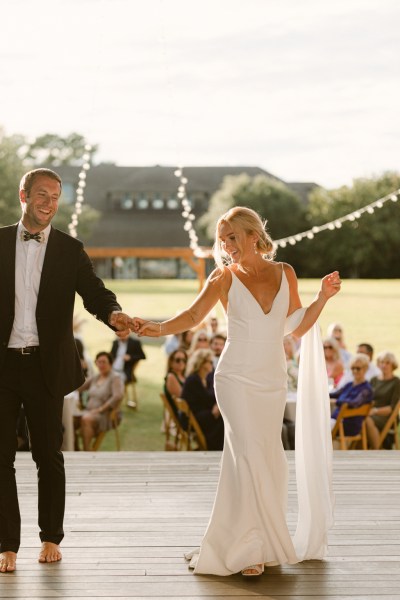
(283, 242)
(337, 223)
(80, 191)
(187, 210)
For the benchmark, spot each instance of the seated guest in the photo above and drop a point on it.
(200, 339)
(355, 394)
(335, 331)
(217, 344)
(334, 364)
(175, 377)
(386, 393)
(105, 392)
(372, 371)
(199, 394)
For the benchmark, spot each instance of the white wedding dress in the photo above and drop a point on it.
(248, 522)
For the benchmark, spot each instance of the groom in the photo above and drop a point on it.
(41, 268)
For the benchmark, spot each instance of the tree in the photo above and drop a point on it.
(365, 247)
(53, 150)
(18, 156)
(272, 199)
(11, 171)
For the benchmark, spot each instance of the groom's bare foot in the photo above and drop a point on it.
(8, 561)
(50, 553)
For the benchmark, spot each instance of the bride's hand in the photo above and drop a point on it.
(149, 328)
(330, 284)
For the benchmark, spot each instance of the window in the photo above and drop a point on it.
(127, 203)
(172, 204)
(142, 204)
(157, 203)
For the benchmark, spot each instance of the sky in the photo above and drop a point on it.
(308, 90)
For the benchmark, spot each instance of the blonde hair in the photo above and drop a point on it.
(197, 359)
(389, 356)
(361, 358)
(335, 346)
(243, 220)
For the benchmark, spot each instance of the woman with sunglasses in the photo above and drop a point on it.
(175, 377)
(355, 394)
(334, 364)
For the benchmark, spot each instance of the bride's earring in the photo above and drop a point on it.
(255, 248)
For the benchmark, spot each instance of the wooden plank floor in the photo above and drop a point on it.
(130, 516)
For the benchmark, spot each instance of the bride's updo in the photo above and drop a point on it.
(243, 219)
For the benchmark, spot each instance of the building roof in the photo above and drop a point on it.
(107, 185)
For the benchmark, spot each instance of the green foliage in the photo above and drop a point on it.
(53, 150)
(18, 156)
(87, 219)
(272, 199)
(366, 247)
(11, 171)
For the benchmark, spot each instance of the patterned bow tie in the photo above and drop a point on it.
(26, 236)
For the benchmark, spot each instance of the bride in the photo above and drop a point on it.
(247, 528)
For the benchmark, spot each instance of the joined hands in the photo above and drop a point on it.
(125, 324)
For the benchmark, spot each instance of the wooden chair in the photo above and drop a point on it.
(173, 428)
(391, 427)
(349, 442)
(115, 421)
(195, 432)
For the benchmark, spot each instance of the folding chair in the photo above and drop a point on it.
(391, 428)
(173, 427)
(115, 419)
(195, 433)
(349, 442)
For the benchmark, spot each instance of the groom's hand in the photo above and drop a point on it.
(121, 322)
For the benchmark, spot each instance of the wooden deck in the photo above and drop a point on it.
(130, 516)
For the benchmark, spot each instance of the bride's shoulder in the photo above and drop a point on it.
(289, 271)
(221, 277)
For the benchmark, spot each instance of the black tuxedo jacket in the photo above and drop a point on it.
(135, 351)
(66, 269)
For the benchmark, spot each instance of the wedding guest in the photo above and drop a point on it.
(335, 331)
(334, 364)
(355, 394)
(200, 396)
(105, 392)
(386, 393)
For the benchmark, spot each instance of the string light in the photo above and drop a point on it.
(337, 223)
(187, 210)
(72, 227)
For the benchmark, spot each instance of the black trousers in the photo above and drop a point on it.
(22, 382)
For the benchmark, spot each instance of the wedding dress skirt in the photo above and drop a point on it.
(248, 521)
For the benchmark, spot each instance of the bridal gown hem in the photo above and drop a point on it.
(248, 521)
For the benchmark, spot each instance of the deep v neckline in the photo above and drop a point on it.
(255, 299)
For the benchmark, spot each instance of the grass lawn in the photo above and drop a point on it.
(369, 311)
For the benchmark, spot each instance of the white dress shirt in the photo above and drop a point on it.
(119, 362)
(29, 257)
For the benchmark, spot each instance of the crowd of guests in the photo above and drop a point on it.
(192, 357)
(355, 379)
(192, 360)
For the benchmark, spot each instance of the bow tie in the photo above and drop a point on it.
(26, 236)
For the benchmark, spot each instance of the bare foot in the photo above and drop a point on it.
(7, 561)
(49, 553)
(253, 570)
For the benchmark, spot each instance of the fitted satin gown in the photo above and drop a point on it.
(248, 522)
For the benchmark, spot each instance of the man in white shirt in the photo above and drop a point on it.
(41, 269)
